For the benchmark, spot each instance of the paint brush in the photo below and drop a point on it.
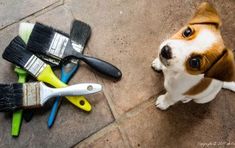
(15, 53)
(36, 94)
(67, 71)
(45, 40)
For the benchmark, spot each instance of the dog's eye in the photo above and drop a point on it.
(194, 62)
(187, 32)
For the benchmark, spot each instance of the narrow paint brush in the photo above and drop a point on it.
(36, 94)
(45, 40)
(67, 71)
(16, 54)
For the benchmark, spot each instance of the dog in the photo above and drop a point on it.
(195, 62)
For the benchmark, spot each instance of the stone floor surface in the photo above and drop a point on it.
(126, 33)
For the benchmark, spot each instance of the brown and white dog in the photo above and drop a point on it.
(195, 62)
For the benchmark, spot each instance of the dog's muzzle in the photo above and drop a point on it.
(165, 55)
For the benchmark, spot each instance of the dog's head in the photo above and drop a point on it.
(198, 47)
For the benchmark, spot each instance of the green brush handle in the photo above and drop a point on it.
(22, 74)
(17, 115)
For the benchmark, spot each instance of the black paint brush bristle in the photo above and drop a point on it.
(10, 97)
(42, 37)
(80, 32)
(18, 55)
(15, 52)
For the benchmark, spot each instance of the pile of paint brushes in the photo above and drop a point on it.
(38, 48)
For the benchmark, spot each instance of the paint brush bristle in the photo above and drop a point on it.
(16, 53)
(42, 37)
(80, 32)
(10, 96)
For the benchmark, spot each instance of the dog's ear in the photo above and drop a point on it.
(224, 68)
(206, 14)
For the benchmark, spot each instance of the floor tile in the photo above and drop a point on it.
(12, 11)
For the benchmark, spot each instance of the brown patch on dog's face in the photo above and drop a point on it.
(206, 14)
(198, 63)
(214, 63)
(224, 68)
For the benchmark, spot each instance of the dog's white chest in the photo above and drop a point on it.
(179, 82)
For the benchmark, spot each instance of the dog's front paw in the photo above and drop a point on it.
(161, 103)
(186, 100)
(157, 65)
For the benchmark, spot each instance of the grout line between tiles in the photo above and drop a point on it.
(99, 133)
(108, 97)
(118, 122)
(35, 14)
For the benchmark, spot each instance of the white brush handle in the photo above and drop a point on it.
(73, 90)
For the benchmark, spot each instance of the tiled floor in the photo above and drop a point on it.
(126, 33)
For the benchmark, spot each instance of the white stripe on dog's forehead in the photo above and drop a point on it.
(204, 40)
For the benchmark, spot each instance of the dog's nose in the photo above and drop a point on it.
(166, 52)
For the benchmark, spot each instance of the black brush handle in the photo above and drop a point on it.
(28, 114)
(102, 66)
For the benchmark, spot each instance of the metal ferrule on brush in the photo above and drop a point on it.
(35, 65)
(31, 94)
(58, 45)
(51, 60)
(78, 47)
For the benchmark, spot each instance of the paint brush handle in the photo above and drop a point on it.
(72, 90)
(67, 71)
(76, 90)
(53, 112)
(102, 66)
(22, 74)
(49, 77)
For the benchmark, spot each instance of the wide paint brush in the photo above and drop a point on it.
(36, 94)
(16, 54)
(47, 41)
